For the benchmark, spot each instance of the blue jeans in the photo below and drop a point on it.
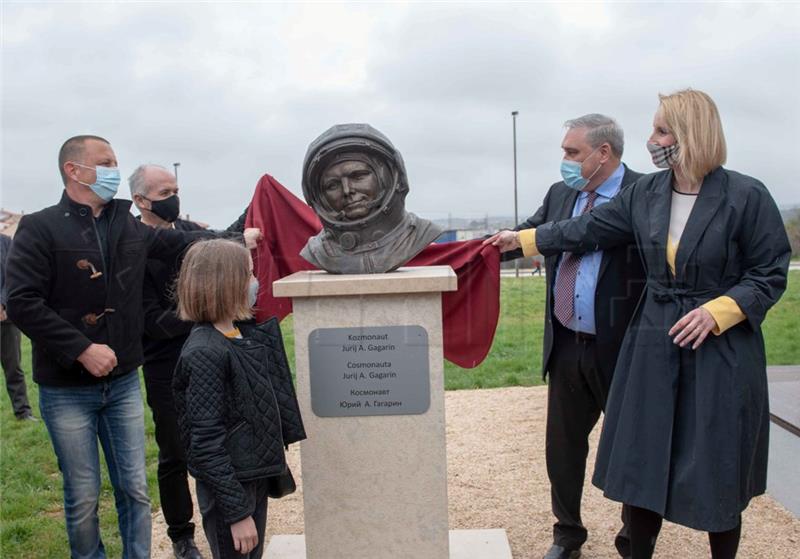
(76, 417)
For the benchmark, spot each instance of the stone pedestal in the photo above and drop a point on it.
(374, 468)
(464, 544)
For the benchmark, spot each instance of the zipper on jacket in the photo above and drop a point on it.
(277, 405)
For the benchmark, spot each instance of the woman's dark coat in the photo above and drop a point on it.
(686, 432)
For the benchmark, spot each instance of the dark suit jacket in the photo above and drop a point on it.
(619, 282)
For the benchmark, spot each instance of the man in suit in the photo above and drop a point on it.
(591, 298)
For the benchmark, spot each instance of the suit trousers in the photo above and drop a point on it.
(576, 395)
(10, 340)
(173, 481)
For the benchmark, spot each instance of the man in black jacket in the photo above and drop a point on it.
(590, 301)
(154, 191)
(75, 275)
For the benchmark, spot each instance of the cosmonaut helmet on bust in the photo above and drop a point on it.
(357, 142)
(355, 180)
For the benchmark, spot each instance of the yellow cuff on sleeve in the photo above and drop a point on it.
(672, 252)
(726, 313)
(527, 240)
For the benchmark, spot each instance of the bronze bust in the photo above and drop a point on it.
(355, 180)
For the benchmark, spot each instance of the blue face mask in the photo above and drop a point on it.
(571, 173)
(107, 182)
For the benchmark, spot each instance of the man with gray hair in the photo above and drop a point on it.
(591, 298)
(154, 191)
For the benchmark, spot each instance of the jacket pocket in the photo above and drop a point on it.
(239, 444)
(236, 428)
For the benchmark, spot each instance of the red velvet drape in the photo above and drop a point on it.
(469, 314)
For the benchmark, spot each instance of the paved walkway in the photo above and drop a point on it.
(784, 396)
(783, 476)
(497, 479)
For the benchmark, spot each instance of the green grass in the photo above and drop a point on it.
(782, 327)
(516, 355)
(31, 515)
(31, 499)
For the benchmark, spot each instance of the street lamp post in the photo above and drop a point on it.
(516, 210)
(175, 166)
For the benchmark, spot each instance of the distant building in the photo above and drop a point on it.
(470, 234)
(8, 222)
(450, 235)
(447, 236)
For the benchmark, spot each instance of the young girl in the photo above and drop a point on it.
(236, 404)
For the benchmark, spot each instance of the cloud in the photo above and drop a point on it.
(235, 90)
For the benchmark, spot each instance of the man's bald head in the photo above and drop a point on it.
(149, 184)
(73, 150)
(146, 176)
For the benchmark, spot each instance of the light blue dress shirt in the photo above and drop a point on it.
(586, 282)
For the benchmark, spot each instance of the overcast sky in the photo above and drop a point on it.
(233, 91)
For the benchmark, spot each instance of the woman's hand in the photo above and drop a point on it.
(504, 240)
(693, 327)
(245, 535)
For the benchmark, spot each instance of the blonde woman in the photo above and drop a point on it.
(686, 430)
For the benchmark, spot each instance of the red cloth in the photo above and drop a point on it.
(469, 314)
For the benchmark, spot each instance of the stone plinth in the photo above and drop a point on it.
(374, 486)
(464, 544)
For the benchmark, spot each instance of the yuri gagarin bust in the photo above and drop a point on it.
(355, 180)
(350, 187)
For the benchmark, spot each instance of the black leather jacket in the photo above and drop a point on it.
(237, 410)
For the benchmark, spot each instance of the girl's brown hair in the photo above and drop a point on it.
(693, 119)
(213, 281)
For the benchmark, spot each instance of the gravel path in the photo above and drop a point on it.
(497, 479)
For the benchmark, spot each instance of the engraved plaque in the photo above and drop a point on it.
(381, 370)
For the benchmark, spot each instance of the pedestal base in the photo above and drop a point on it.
(374, 483)
(464, 544)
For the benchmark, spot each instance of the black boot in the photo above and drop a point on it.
(186, 549)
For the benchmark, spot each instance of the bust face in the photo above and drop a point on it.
(349, 187)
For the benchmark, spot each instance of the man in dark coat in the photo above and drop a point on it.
(75, 275)
(154, 191)
(590, 300)
(10, 340)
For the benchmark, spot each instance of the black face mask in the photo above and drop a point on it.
(167, 209)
